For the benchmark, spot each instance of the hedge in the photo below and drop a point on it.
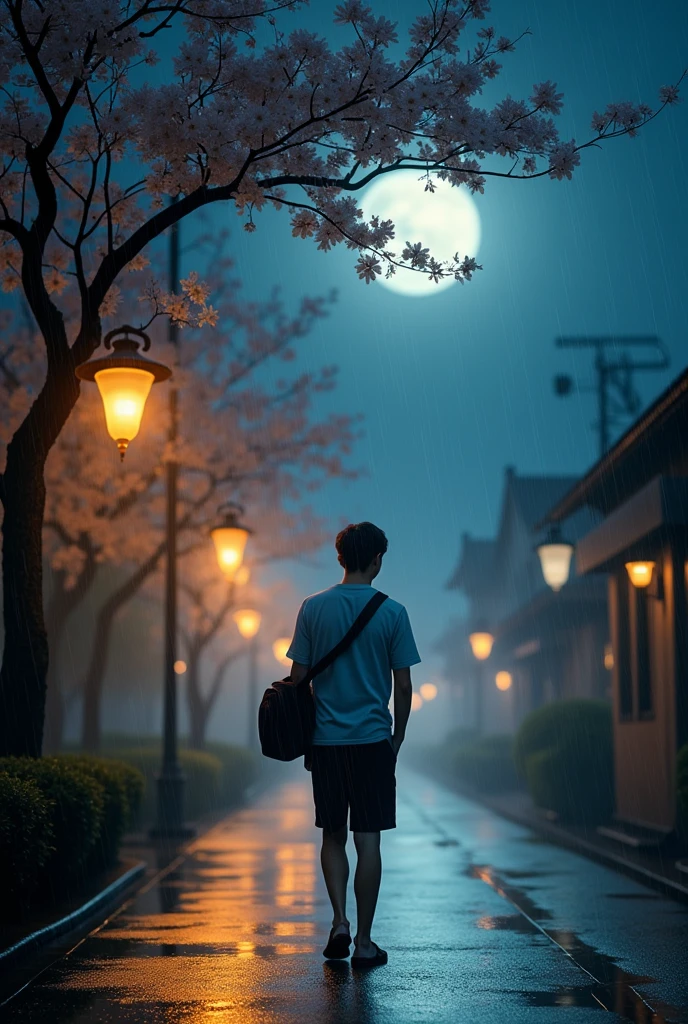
(485, 764)
(565, 753)
(26, 838)
(77, 808)
(123, 788)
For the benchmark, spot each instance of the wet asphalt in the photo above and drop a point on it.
(482, 921)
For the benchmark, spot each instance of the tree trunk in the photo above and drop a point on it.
(92, 687)
(197, 707)
(22, 490)
(25, 657)
(62, 603)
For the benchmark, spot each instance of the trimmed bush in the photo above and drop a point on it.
(26, 839)
(122, 787)
(240, 768)
(485, 764)
(202, 770)
(565, 753)
(77, 808)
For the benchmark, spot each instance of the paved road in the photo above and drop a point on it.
(483, 922)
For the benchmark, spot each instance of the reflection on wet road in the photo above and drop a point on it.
(481, 922)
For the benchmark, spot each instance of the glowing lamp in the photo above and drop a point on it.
(280, 648)
(640, 573)
(608, 657)
(503, 681)
(124, 380)
(481, 645)
(247, 622)
(230, 538)
(555, 558)
(180, 667)
(428, 691)
(416, 702)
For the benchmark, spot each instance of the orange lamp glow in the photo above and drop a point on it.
(230, 538)
(124, 379)
(608, 657)
(428, 691)
(180, 667)
(247, 622)
(481, 645)
(640, 573)
(416, 702)
(280, 648)
(503, 681)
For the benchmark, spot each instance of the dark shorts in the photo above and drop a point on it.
(358, 778)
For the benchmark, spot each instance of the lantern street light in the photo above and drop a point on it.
(428, 691)
(503, 680)
(555, 558)
(124, 379)
(481, 641)
(640, 573)
(248, 623)
(230, 537)
(280, 648)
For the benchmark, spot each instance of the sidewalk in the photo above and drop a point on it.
(483, 921)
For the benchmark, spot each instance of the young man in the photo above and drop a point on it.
(354, 748)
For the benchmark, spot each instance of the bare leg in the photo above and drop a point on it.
(366, 887)
(335, 866)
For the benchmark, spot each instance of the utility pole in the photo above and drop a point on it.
(617, 397)
(171, 781)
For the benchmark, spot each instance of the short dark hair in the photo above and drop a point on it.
(358, 544)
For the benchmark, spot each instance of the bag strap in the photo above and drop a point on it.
(359, 625)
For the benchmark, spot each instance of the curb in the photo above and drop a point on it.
(96, 905)
(667, 886)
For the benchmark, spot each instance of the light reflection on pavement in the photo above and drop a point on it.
(481, 923)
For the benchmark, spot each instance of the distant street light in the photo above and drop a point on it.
(608, 657)
(481, 645)
(180, 667)
(248, 623)
(481, 642)
(555, 558)
(416, 702)
(124, 379)
(428, 691)
(280, 648)
(230, 538)
(503, 681)
(640, 573)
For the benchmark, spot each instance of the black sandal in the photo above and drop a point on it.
(337, 947)
(378, 960)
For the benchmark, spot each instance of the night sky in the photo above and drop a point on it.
(456, 386)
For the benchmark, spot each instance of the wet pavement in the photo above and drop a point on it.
(482, 920)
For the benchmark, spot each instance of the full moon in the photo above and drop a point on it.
(445, 221)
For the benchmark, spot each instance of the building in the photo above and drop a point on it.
(552, 644)
(639, 491)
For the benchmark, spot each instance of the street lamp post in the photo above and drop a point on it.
(481, 642)
(248, 623)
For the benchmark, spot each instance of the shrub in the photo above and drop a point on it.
(565, 752)
(77, 807)
(122, 787)
(485, 764)
(26, 839)
(583, 723)
(240, 768)
(202, 771)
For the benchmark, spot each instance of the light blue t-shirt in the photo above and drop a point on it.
(352, 696)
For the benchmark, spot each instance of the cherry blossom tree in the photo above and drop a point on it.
(249, 116)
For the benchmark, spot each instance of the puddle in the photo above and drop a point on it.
(610, 988)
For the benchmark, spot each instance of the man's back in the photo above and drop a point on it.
(352, 696)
